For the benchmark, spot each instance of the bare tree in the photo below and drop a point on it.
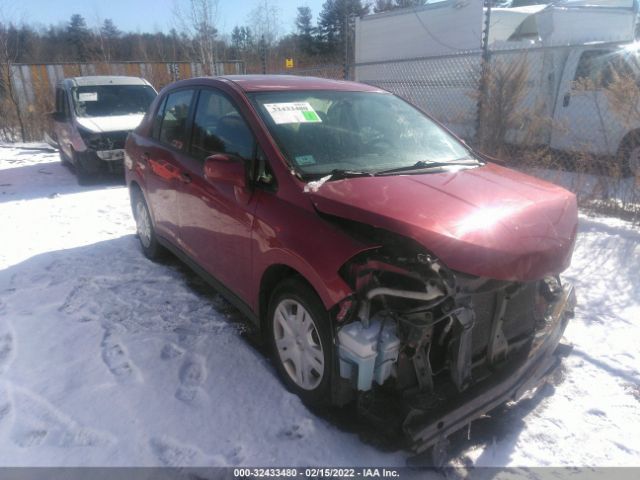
(198, 20)
(9, 50)
(263, 20)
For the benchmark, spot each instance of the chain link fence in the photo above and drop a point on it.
(568, 114)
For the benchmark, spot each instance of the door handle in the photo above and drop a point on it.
(144, 157)
(185, 177)
(566, 100)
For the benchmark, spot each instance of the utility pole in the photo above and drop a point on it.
(263, 49)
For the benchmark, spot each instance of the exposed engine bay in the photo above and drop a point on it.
(416, 336)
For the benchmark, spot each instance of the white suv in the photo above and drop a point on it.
(93, 117)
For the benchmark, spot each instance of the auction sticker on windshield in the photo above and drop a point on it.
(88, 97)
(292, 112)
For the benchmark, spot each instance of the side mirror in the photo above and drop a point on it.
(57, 116)
(225, 168)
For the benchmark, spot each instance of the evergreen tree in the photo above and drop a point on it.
(335, 18)
(79, 36)
(109, 30)
(109, 34)
(305, 30)
(386, 5)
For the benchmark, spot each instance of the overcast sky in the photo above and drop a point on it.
(145, 15)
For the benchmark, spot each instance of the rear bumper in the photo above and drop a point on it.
(531, 371)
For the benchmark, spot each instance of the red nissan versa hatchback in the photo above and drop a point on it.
(383, 260)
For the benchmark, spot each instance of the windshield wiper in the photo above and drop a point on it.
(422, 164)
(338, 173)
(335, 174)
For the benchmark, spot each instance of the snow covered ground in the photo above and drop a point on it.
(109, 359)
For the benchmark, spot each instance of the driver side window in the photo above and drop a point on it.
(218, 127)
(62, 105)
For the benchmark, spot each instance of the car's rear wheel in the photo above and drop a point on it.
(144, 228)
(629, 157)
(300, 337)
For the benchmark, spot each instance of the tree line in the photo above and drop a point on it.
(195, 37)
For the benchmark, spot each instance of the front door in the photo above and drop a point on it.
(62, 122)
(584, 120)
(216, 219)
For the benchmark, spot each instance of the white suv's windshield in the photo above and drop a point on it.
(321, 132)
(110, 100)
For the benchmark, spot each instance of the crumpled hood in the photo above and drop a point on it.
(115, 123)
(488, 221)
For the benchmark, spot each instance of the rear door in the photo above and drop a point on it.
(215, 219)
(161, 155)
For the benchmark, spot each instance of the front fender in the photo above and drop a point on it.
(297, 237)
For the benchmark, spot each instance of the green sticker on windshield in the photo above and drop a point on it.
(305, 160)
(311, 116)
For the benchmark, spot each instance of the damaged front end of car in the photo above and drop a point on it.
(104, 150)
(426, 350)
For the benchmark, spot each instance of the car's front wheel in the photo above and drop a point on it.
(300, 336)
(82, 174)
(144, 227)
(64, 159)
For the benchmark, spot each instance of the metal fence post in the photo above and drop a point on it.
(484, 73)
(263, 44)
(345, 68)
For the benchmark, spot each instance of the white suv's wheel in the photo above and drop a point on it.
(300, 336)
(633, 160)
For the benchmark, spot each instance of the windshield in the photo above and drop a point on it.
(324, 131)
(109, 100)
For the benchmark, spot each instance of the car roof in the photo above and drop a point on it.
(104, 80)
(270, 83)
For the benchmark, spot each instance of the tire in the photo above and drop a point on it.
(629, 158)
(144, 228)
(64, 160)
(82, 175)
(302, 350)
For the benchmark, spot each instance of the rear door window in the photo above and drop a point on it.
(173, 126)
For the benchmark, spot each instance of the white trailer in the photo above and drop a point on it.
(439, 66)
